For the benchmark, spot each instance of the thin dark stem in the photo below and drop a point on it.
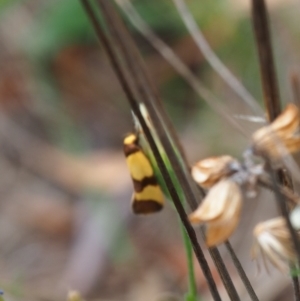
(280, 198)
(276, 178)
(147, 87)
(282, 205)
(296, 287)
(267, 66)
(213, 252)
(153, 103)
(273, 106)
(241, 272)
(149, 95)
(226, 279)
(130, 92)
(150, 98)
(292, 197)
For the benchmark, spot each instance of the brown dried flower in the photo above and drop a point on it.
(220, 210)
(209, 171)
(283, 130)
(273, 242)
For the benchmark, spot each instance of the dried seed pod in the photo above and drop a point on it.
(281, 136)
(209, 171)
(273, 242)
(220, 210)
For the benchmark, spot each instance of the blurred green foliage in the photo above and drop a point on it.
(5, 4)
(241, 56)
(62, 23)
(163, 17)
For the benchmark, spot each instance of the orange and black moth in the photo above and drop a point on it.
(147, 196)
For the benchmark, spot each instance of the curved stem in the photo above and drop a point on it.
(168, 54)
(112, 42)
(192, 293)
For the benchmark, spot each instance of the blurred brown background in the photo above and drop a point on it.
(65, 219)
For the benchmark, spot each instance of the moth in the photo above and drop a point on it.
(148, 196)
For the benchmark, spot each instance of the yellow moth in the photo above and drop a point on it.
(147, 197)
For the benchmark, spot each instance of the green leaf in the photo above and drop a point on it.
(294, 271)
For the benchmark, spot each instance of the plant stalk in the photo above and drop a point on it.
(192, 292)
(113, 48)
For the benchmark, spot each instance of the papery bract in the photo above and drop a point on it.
(273, 242)
(210, 170)
(220, 210)
(281, 136)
